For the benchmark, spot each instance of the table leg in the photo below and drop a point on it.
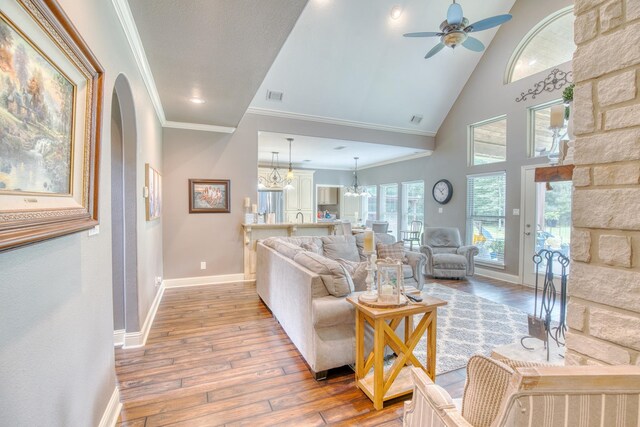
(359, 345)
(378, 365)
(431, 345)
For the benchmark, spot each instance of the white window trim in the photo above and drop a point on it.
(470, 141)
(511, 64)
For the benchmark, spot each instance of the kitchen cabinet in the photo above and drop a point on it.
(327, 195)
(300, 198)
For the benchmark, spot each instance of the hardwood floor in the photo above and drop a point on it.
(215, 356)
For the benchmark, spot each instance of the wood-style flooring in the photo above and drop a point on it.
(215, 356)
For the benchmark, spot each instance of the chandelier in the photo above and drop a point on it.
(355, 190)
(275, 179)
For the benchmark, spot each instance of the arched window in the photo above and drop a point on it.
(548, 44)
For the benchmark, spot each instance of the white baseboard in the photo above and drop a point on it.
(511, 278)
(138, 339)
(118, 337)
(204, 280)
(112, 411)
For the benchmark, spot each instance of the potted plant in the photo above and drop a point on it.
(567, 99)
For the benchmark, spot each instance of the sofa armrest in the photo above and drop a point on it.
(417, 261)
(428, 252)
(469, 252)
(431, 405)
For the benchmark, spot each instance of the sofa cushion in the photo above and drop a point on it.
(331, 311)
(301, 240)
(358, 272)
(444, 250)
(487, 382)
(344, 247)
(393, 251)
(334, 276)
(312, 247)
(449, 261)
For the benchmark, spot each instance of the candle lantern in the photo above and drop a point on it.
(390, 281)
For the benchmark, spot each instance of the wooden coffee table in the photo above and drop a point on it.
(396, 381)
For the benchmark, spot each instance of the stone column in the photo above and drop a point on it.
(604, 285)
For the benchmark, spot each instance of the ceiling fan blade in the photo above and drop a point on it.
(437, 48)
(423, 34)
(454, 14)
(473, 44)
(485, 24)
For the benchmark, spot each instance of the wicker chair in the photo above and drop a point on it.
(509, 393)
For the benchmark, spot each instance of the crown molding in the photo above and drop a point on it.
(334, 121)
(131, 32)
(427, 153)
(198, 126)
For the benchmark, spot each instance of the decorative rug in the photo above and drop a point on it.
(469, 325)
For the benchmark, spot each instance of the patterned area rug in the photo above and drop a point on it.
(469, 325)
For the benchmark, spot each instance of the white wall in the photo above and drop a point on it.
(56, 340)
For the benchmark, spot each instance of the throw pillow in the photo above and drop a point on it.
(334, 276)
(393, 251)
(344, 247)
(487, 382)
(358, 272)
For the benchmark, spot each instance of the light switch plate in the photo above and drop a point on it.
(516, 212)
(440, 210)
(203, 265)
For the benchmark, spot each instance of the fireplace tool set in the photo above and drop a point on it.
(540, 324)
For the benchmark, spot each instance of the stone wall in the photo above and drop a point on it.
(604, 286)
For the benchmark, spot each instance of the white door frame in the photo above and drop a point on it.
(523, 215)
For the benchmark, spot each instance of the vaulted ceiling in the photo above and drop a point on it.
(337, 60)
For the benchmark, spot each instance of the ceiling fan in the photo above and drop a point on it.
(455, 30)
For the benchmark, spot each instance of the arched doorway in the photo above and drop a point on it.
(124, 210)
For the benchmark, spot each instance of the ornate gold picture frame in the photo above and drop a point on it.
(51, 116)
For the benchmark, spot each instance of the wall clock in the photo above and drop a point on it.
(442, 191)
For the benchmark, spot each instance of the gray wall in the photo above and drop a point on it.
(56, 340)
(484, 96)
(217, 238)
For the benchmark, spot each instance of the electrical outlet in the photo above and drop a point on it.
(95, 230)
(158, 280)
(516, 212)
(203, 265)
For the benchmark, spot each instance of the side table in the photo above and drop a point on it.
(396, 381)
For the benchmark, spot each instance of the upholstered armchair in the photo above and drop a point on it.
(446, 256)
(507, 394)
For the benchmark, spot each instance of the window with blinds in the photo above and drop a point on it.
(371, 204)
(486, 201)
(488, 141)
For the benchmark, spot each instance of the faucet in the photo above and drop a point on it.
(300, 213)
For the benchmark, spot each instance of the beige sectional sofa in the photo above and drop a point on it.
(305, 281)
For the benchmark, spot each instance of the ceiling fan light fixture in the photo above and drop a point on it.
(454, 38)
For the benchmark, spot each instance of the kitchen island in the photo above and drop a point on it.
(254, 232)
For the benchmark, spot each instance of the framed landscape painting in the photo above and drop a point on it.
(51, 89)
(154, 195)
(209, 196)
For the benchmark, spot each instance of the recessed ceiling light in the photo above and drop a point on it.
(396, 12)
(196, 100)
(340, 147)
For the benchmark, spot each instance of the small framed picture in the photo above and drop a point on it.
(209, 196)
